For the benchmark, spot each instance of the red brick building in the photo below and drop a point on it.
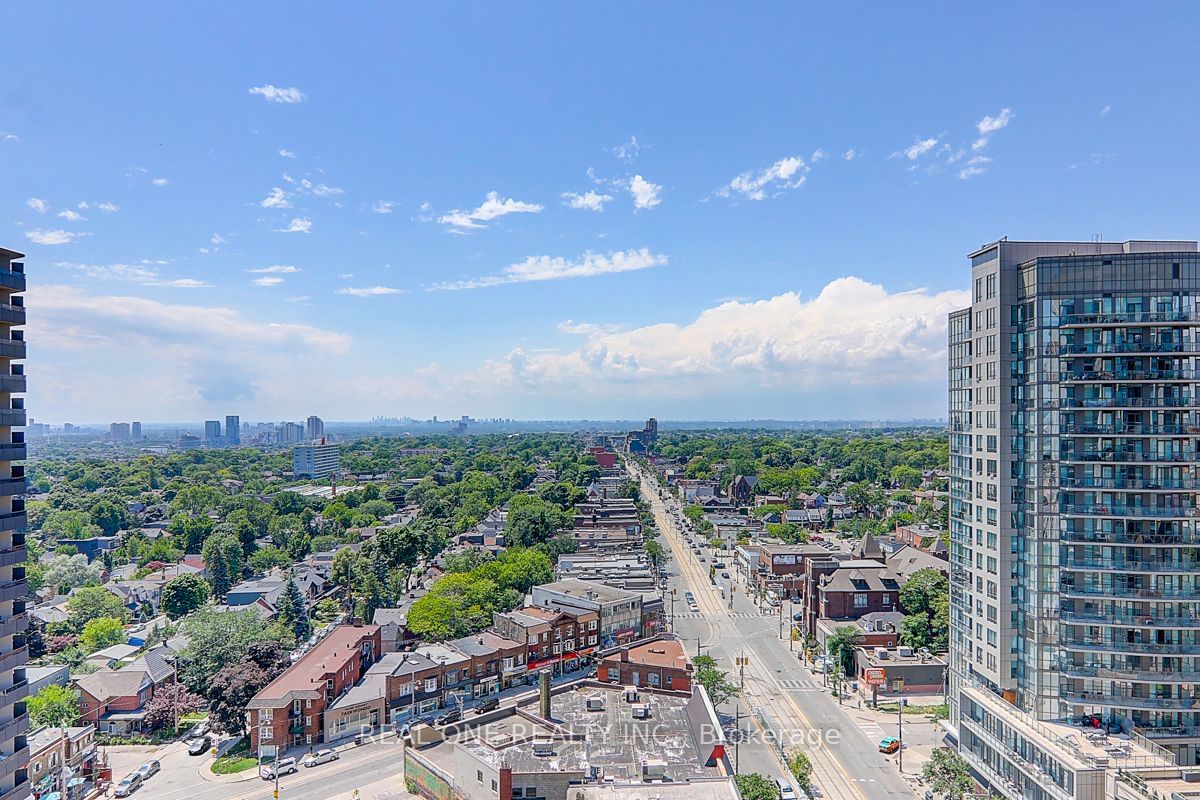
(607, 459)
(290, 711)
(549, 636)
(659, 664)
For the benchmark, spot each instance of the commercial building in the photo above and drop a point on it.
(314, 428)
(318, 460)
(1075, 595)
(135, 430)
(212, 433)
(14, 751)
(620, 611)
(659, 664)
(290, 710)
(119, 432)
(233, 430)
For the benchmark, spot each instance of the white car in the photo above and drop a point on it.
(786, 792)
(320, 757)
(284, 766)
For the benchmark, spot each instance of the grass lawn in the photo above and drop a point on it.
(237, 759)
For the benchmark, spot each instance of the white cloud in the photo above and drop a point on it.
(38, 204)
(369, 291)
(52, 237)
(144, 273)
(588, 201)
(276, 199)
(383, 206)
(849, 154)
(321, 190)
(277, 269)
(159, 181)
(976, 166)
(1104, 111)
(283, 151)
(645, 194)
(551, 268)
(267, 280)
(9, 137)
(70, 216)
(918, 148)
(491, 208)
(108, 207)
(627, 151)
(818, 154)
(297, 225)
(989, 125)
(278, 94)
(786, 173)
(852, 334)
(346, 276)
(217, 239)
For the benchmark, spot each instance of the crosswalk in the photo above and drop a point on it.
(733, 614)
(799, 685)
(872, 729)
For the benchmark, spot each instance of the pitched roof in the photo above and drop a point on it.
(107, 684)
(868, 548)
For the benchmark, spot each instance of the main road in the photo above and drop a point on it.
(787, 701)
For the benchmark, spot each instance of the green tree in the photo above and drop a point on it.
(183, 595)
(192, 531)
(64, 573)
(919, 593)
(914, 631)
(217, 639)
(54, 705)
(436, 618)
(100, 633)
(293, 612)
(266, 559)
(948, 774)
(906, 477)
(532, 521)
(91, 602)
(802, 770)
(222, 554)
(714, 680)
(65, 524)
(753, 786)
(108, 516)
(841, 645)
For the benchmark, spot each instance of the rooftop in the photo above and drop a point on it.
(307, 675)
(587, 590)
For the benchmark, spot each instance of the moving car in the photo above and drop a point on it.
(453, 715)
(200, 746)
(724, 574)
(889, 744)
(695, 609)
(128, 785)
(491, 704)
(786, 792)
(148, 769)
(798, 616)
(323, 756)
(284, 766)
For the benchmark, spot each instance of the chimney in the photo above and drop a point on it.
(544, 693)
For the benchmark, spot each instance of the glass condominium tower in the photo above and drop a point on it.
(1074, 436)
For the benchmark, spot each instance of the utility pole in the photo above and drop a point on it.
(900, 731)
(737, 738)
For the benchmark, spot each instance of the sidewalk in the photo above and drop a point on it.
(386, 789)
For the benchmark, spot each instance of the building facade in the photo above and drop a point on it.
(1073, 410)
(14, 593)
(314, 428)
(233, 430)
(318, 460)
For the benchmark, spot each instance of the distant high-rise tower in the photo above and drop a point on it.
(233, 430)
(119, 431)
(212, 432)
(316, 460)
(315, 428)
(14, 754)
(135, 430)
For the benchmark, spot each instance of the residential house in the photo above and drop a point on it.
(115, 700)
(907, 560)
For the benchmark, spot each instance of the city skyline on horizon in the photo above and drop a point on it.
(557, 237)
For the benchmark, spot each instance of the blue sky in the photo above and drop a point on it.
(557, 211)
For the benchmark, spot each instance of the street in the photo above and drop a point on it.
(784, 699)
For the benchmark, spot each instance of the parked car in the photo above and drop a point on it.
(786, 792)
(453, 715)
(798, 616)
(284, 766)
(199, 746)
(724, 574)
(889, 744)
(323, 756)
(491, 704)
(695, 609)
(148, 769)
(128, 785)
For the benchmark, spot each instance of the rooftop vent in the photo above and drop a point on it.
(641, 711)
(654, 770)
(543, 748)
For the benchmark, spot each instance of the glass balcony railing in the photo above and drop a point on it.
(1131, 484)
(1126, 618)
(1129, 456)
(1147, 512)
(1124, 565)
(1114, 348)
(1184, 594)
(1124, 646)
(1131, 375)
(1129, 318)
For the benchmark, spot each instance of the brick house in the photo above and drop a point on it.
(290, 710)
(115, 700)
(659, 664)
(856, 588)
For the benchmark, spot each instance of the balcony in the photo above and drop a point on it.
(1129, 318)
(1128, 619)
(18, 657)
(10, 764)
(12, 451)
(12, 348)
(13, 590)
(13, 521)
(1131, 429)
(1150, 512)
(1143, 676)
(1116, 348)
(1129, 457)
(17, 623)
(14, 726)
(1123, 700)
(11, 487)
(1121, 565)
(11, 279)
(1188, 539)
(1129, 376)
(12, 417)
(1124, 647)
(1175, 732)
(1120, 592)
(1123, 401)
(12, 314)
(21, 790)
(15, 693)
(12, 556)
(1131, 484)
